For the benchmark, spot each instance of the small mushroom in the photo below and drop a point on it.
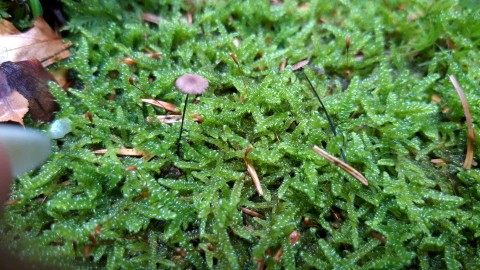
(299, 65)
(190, 84)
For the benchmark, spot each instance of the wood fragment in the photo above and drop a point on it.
(197, 118)
(173, 118)
(189, 18)
(152, 18)
(236, 42)
(294, 236)
(252, 213)
(234, 57)
(11, 202)
(86, 250)
(124, 152)
(166, 119)
(283, 64)
(467, 164)
(252, 172)
(131, 168)
(98, 230)
(278, 255)
(379, 237)
(155, 55)
(344, 166)
(438, 160)
(436, 99)
(129, 61)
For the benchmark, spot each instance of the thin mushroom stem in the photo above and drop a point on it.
(181, 125)
(330, 122)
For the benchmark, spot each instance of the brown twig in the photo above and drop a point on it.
(467, 164)
(344, 166)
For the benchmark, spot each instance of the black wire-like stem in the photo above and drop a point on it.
(330, 122)
(181, 125)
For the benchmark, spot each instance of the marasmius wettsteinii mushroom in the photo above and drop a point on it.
(190, 84)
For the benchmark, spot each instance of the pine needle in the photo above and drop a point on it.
(467, 164)
(344, 166)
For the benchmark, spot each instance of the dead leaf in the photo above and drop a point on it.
(40, 42)
(30, 79)
(7, 28)
(13, 107)
(61, 77)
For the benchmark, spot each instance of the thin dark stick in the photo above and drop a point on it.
(181, 125)
(330, 122)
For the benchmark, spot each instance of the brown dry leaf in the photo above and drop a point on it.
(344, 166)
(7, 28)
(467, 164)
(162, 104)
(30, 79)
(13, 107)
(40, 42)
(61, 77)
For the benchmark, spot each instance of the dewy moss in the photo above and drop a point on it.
(135, 213)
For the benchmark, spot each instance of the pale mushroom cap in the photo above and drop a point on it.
(191, 84)
(26, 148)
(300, 65)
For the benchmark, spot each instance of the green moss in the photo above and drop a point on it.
(186, 212)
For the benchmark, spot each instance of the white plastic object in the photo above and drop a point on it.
(59, 128)
(27, 148)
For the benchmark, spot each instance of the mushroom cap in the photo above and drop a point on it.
(191, 84)
(300, 65)
(26, 148)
